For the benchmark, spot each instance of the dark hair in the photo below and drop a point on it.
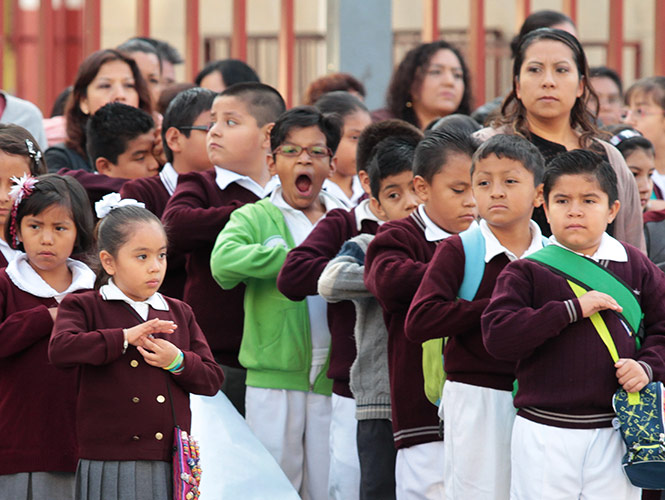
(114, 230)
(340, 102)
(652, 86)
(302, 117)
(461, 122)
(330, 83)
(434, 150)
(137, 45)
(263, 102)
(393, 156)
(232, 70)
(516, 148)
(627, 140)
(605, 72)
(62, 190)
(112, 127)
(376, 132)
(539, 19)
(581, 162)
(410, 73)
(88, 70)
(169, 93)
(58, 108)
(183, 111)
(166, 51)
(513, 111)
(13, 142)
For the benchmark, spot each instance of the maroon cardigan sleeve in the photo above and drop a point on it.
(436, 310)
(304, 264)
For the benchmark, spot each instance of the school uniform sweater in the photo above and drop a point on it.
(123, 410)
(152, 191)
(37, 400)
(565, 373)
(195, 215)
(395, 263)
(96, 185)
(299, 276)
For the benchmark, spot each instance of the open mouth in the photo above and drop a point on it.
(303, 184)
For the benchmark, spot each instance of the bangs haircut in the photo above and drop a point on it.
(513, 148)
(64, 191)
(393, 156)
(651, 87)
(376, 132)
(434, 150)
(12, 142)
(303, 117)
(263, 102)
(581, 162)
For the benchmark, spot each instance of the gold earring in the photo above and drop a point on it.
(409, 104)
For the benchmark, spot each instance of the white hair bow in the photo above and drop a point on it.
(112, 201)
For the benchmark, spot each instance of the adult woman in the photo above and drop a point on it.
(104, 76)
(548, 106)
(431, 81)
(218, 75)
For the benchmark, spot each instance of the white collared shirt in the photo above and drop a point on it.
(363, 213)
(334, 189)
(111, 292)
(432, 231)
(493, 246)
(225, 177)
(26, 278)
(8, 252)
(169, 178)
(609, 249)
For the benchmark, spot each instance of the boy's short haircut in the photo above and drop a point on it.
(263, 102)
(183, 111)
(137, 45)
(605, 72)
(302, 117)
(433, 151)
(457, 120)
(376, 132)
(516, 148)
(581, 162)
(341, 103)
(111, 128)
(393, 155)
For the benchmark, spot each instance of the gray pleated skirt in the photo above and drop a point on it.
(37, 486)
(126, 480)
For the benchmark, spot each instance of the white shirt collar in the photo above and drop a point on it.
(493, 246)
(111, 292)
(432, 231)
(225, 177)
(356, 191)
(169, 178)
(8, 252)
(328, 200)
(26, 278)
(364, 213)
(609, 249)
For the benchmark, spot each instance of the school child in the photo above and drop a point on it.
(139, 354)
(393, 198)
(344, 183)
(184, 131)
(238, 143)
(119, 142)
(19, 155)
(49, 221)
(288, 394)
(563, 443)
(477, 402)
(395, 263)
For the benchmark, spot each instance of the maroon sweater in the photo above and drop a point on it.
(395, 263)
(437, 312)
(299, 277)
(37, 401)
(151, 191)
(96, 185)
(123, 410)
(195, 215)
(565, 373)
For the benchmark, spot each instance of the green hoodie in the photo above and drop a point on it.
(276, 344)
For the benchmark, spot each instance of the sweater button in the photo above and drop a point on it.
(135, 438)
(159, 436)
(160, 399)
(133, 363)
(135, 399)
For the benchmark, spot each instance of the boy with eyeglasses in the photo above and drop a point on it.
(285, 343)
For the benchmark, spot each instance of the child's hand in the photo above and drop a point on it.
(53, 311)
(631, 375)
(593, 302)
(158, 352)
(137, 335)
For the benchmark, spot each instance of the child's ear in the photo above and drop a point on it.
(103, 166)
(538, 200)
(376, 207)
(614, 210)
(363, 176)
(270, 160)
(173, 139)
(333, 166)
(265, 130)
(108, 262)
(421, 187)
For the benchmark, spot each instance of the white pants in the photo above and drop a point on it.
(294, 427)
(477, 425)
(554, 463)
(344, 478)
(419, 472)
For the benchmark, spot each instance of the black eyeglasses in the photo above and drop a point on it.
(205, 128)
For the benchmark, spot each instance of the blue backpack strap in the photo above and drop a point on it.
(473, 242)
